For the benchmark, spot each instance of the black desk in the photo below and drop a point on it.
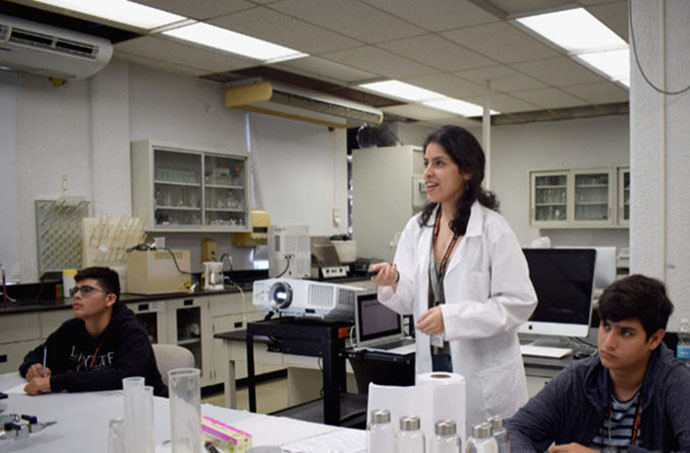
(314, 338)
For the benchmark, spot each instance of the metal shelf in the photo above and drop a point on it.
(175, 183)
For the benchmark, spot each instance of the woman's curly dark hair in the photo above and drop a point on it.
(468, 155)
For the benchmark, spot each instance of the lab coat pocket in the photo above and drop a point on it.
(504, 388)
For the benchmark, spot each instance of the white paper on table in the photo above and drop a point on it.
(339, 439)
(17, 389)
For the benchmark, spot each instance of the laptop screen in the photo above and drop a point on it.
(375, 320)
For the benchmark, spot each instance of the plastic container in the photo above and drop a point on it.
(445, 439)
(68, 281)
(683, 347)
(380, 435)
(347, 250)
(184, 385)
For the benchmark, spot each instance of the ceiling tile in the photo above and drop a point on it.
(354, 19)
(166, 65)
(447, 84)
(502, 78)
(560, 71)
(502, 42)
(163, 50)
(599, 93)
(437, 52)
(378, 61)
(549, 98)
(320, 68)
(506, 104)
(198, 9)
(614, 15)
(287, 31)
(436, 15)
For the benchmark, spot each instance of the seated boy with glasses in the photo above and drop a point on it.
(633, 396)
(94, 351)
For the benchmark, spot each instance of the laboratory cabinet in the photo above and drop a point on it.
(180, 188)
(387, 189)
(624, 196)
(575, 198)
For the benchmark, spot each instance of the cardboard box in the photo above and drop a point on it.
(154, 272)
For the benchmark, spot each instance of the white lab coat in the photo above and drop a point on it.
(488, 295)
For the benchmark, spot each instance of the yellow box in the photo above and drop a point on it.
(154, 272)
(259, 222)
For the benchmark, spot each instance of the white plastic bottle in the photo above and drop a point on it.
(380, 435)
(445, 439)
(410, 437)
(683, 348)
(482, 440)
(500, 433)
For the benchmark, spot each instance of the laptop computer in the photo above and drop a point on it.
(380, 329)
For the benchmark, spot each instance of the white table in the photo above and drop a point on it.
(82, 421)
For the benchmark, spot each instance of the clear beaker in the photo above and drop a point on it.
(185, 409)
(116, 436)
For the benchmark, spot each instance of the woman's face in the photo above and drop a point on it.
(442, 177)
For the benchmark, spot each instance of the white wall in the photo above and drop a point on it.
(586, 143)
(82, 130)
(660, 167)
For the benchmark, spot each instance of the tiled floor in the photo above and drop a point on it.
(271, 396)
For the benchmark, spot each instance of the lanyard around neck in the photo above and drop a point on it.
(449, 249)
(636, 423)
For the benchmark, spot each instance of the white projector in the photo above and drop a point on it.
(303, 298)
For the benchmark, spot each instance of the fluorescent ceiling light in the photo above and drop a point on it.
(613, 63)
(121, 11)
(237, 43)
(401, 90)
(575, 30)
(457, 106)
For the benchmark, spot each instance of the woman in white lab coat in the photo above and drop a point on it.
(460, 271)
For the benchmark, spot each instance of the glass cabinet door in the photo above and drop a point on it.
(177, 189)
(624, 196)
(224, 186)
(592, 197)
(550, 197)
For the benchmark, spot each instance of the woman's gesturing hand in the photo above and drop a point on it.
(385, 275)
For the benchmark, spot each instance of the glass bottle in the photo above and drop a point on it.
(500, 433)
(445, 438)
(410, 438)
(481, 440)
(380, 435)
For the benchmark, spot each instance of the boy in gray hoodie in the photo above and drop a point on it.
(633, 396)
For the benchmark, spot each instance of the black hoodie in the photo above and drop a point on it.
(123, 349)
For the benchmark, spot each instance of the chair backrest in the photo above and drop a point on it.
(171, 356)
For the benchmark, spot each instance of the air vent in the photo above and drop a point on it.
(4, 32)
(317, 105)
(346, 297)
(43, 41)
(320, 296)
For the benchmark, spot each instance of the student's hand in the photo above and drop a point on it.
(571, 448)
(38, 385)
(387, 275)
(36, 370)
(431, 322)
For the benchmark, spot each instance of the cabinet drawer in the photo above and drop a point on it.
(229, 304)
(11, 354)
(20, 327)
(49, 321)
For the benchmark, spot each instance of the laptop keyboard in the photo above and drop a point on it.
(394, 344)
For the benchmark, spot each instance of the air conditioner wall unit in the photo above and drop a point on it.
(50, 51)
(292, 102)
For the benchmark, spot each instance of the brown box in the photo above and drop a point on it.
(154, 272)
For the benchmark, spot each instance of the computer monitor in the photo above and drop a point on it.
(563, 280)
(604, 266)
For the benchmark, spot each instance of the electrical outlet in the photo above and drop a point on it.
(63, 183)
(336, 217)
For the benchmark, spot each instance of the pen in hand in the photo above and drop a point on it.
(45, 356)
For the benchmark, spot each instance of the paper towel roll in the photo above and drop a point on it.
(446, 395)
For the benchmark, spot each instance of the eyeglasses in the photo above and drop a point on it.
(85, 290)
